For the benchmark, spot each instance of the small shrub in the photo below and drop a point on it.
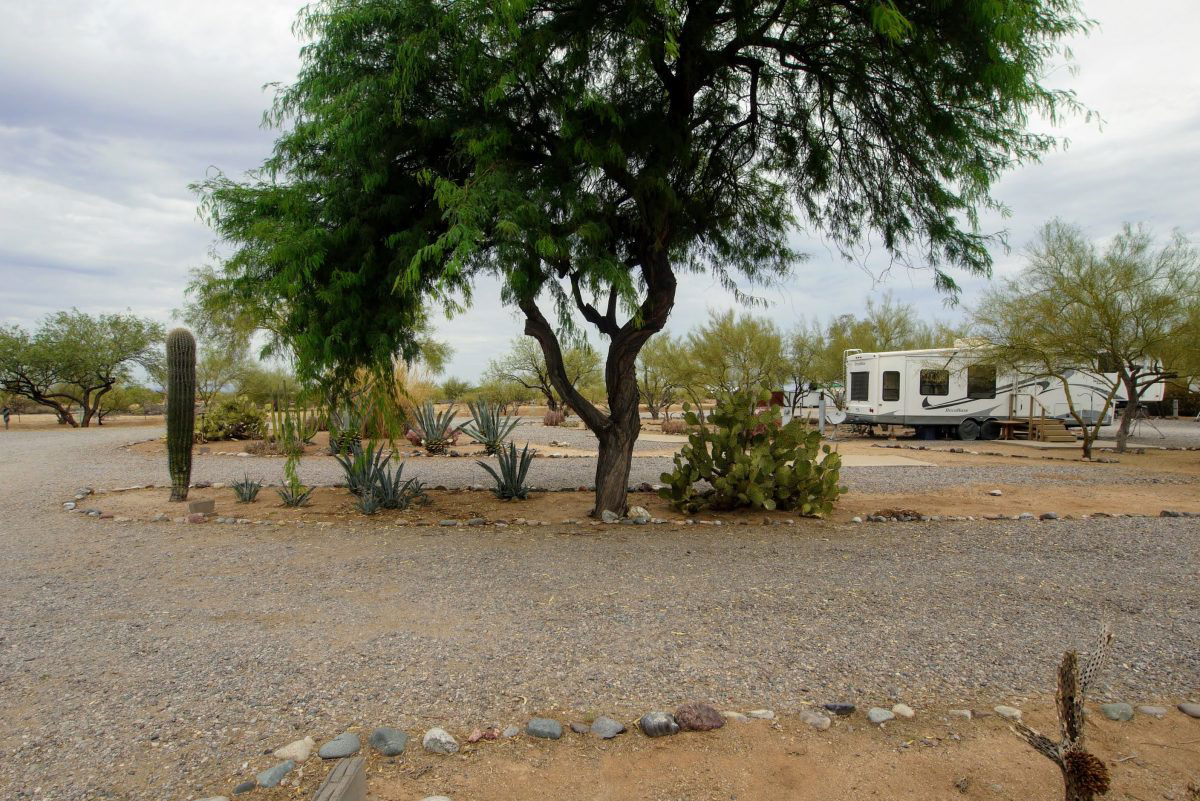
(510, 479)
(675, 426)
(490, 429)
(246, 489)
(292, 429)
(232, 418)
(553, 418)
(436, 429)
(750, 460)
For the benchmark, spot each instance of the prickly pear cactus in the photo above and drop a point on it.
(181, 409)
(750, 459)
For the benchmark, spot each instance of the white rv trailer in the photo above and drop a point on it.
(956, 392)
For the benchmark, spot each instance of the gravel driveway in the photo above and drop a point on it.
(152, 661)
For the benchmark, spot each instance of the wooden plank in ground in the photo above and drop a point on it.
(346, 782)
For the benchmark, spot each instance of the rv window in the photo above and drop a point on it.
(891, 385)
(935, 382)
(981, 381)
(860, 384)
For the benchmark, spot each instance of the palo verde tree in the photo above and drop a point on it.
(74, 359)
(526, 365)
(590, 154)
(1123, 317)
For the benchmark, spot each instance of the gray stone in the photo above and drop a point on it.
(736, 717)
(244, 787)
(638, 514)
(658, 724)
(476, 521)
(840, 709)
(274, 775)
(1049, 516)
(761, 714)
(609, 516)
(1191, 710)
(511, 731)
(1007, 712)
(1117, 711)
(344, 745)
(1025, 516)
(202, 506)
(879, 715)
(544, 728)
(69, 506)
(388, 741)
(607, 728)
(965, 714)
(995, 493)
(903, 711)
(1153, 711)
(815, 719)
(856, 519)
(439, 741)
(580, 728)
(447, 522)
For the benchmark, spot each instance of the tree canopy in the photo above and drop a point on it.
(74, 359)
(1128, 312)
(588, 154)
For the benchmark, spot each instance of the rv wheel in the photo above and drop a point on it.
(968, 430)
(989, 430)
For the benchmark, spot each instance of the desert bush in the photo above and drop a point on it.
(292, 429)
(749, 459)
(675, 426)
(293, 493)
(554, 418)
(232, 418)
(510, 478)
(488, 427)
(435, 429)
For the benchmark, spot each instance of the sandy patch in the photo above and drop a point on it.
(929, 758)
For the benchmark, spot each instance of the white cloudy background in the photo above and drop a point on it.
(109, 108)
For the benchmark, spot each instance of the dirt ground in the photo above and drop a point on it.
(928, 758)
(41, 422)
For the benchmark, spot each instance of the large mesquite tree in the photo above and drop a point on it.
(592, 154)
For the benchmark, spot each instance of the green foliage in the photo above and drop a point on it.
(525, 366)
(291, 429)
(454, 389)
(731, 352)
(590, 156)
(510, 479)
(488, 427)
(345, 429)
(265, 385)
(375, 484)
(293, 493)
(1125, 316)
(658, 374)
(435, 428)
(75, 359)
(246, 489)
(750, 460)
(181, 410)
(232, 418)
(508, 396)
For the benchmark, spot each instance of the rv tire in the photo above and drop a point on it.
(968, 430)
(989, 430)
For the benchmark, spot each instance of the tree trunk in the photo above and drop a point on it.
(1129, 413)
(613, 466)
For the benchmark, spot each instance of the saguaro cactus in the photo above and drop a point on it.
(181, 409)
(1084, 776)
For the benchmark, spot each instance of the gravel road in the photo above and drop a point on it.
(151, 661)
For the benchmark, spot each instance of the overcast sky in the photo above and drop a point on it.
(109, 108)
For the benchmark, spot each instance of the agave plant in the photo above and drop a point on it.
(436, 428)
(345, 429)
(489, 428)
(510, 479)
(246, 489)
(361, 466)
(368, 503)
(394, 491)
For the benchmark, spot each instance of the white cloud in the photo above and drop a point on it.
(109, 109)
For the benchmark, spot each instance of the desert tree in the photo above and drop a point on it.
(735, 354)
(590, 155)
(75, 359)
(1119, 316)
(455, 389)
(657, 373)
(525, 365)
